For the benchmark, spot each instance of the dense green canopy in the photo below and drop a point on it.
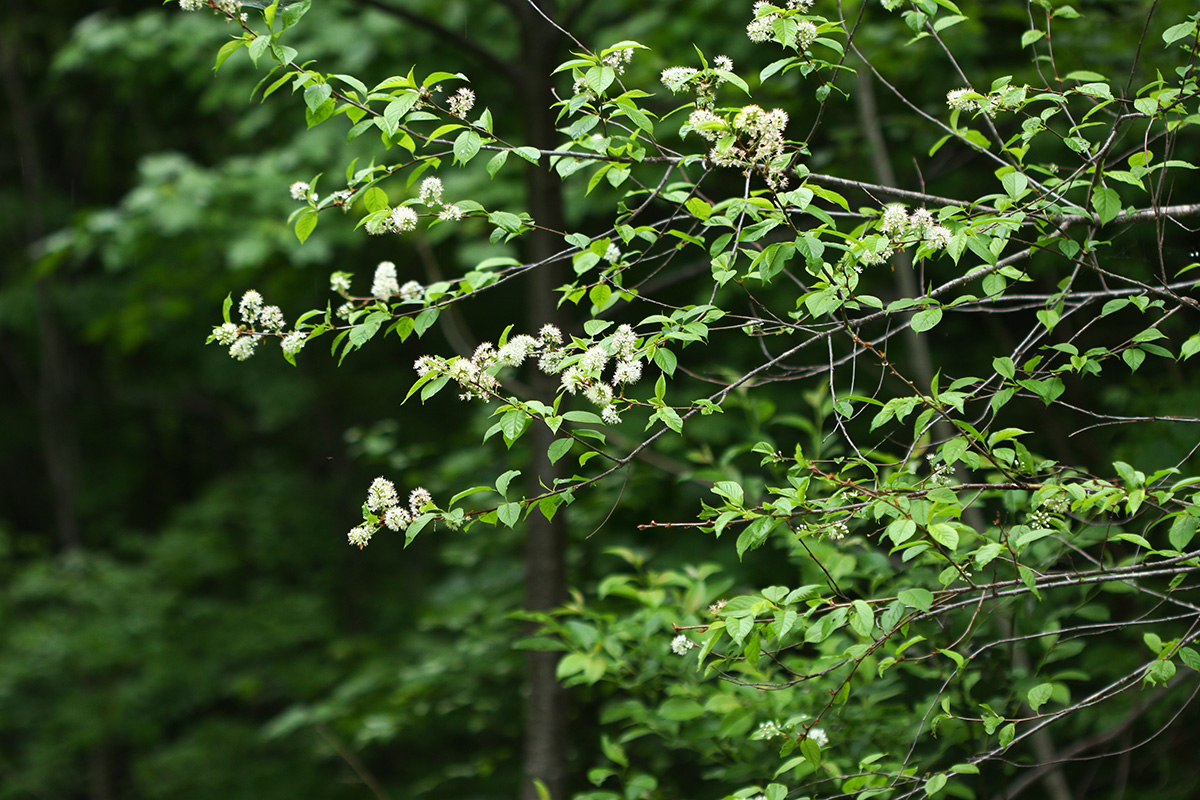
(182, 616)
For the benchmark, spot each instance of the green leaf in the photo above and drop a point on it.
(1177, 32)
(504, 480)
(315, 95)
(920, 599)
(228, 49)
(1107, 204)
(945, 535)
(754, 535)
(935, 783)
(306, 223)
(1038, 695)
(924, 320)
(509, 513)
(466, 146)
(558, 448)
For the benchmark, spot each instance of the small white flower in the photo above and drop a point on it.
(300, 190)
(600, 394)
(426, 364)
(806, 34)
(921, 219)
(594, 359)
(344, 311)
(418, 499)
(818, 736)
(412, 291)
(294, 342)
(516, 350)
(250, 306)
(226, 334)
(675, 78)
(723, 63)
(450, 213)
(550, 334)
(573, 380)
(462, 102)
(191, 5)
(243, 348)
(402, 220)
(339, 282)
(431, 191)
(938, 236)
(271, 318)
(382, 495)
(894, 218)
(613, 254)
(958, 101)
(624, 341)
(484, 355)
(385, 284)
(707, 124)
(360, 536)
(397, 518)
(681, 644)
(627, 372)
(550, 361)
(610, 415)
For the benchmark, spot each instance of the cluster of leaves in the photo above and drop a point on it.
(946, 564)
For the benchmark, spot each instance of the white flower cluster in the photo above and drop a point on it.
(969, 100)
(716, 608)
(757, 144)
(703, 82)
(818, 736)
(300, 190)
(385, 284)
(769, 730)
(681, 644)
(431, 195)
(402, 219)
(762, 29)
(616, 60)
(585, 375)
(1050, 511)
(836, 531)
(257, 320)
(476, 375)
(891, 5)
(897, 225)
(384, 503)
(461, 102)
(230, 7)
(940, 473)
